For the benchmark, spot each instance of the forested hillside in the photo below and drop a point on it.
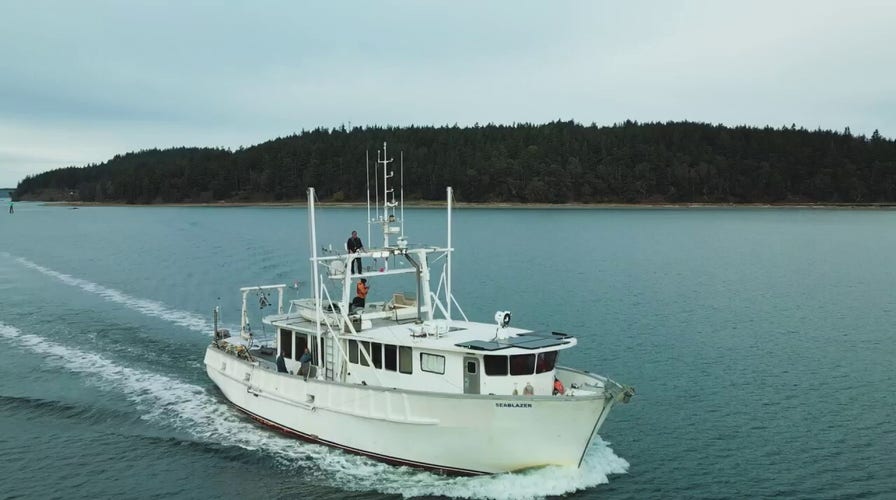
(558, 162)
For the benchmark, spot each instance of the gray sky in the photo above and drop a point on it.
(82, 81)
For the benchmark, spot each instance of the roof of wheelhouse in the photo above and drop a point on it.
(462, 336)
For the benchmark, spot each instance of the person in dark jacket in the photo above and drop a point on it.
(354, 245)
(281, 363)
(305, 360)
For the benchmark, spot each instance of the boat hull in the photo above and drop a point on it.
(458, 434)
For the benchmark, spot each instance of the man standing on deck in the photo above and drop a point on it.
(354, 245)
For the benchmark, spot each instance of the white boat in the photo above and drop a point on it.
(410, 380)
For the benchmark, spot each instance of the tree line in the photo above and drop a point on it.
(557, 162)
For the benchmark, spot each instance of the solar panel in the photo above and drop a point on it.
(538, 343)
(528, 341)
(481, 345)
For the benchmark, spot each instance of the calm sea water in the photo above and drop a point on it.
(760, 341)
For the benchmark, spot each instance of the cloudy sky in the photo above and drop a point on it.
(81, 81)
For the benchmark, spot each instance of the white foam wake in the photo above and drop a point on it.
(600, 462)
(161, 398)
(168, 401)
(145, 306)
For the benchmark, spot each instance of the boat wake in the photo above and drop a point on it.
(148, 307)
(167, 401)
(160, 398)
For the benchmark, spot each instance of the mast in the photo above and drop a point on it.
(314, 275)
(386, 219)
(450, 194)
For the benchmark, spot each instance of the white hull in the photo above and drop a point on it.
(449, 433)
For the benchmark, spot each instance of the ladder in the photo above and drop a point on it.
(329, 357)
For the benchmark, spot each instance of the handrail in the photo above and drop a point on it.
(261, 287)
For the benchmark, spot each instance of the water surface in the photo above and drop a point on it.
(760, 341)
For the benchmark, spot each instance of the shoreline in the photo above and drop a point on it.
(493, 205)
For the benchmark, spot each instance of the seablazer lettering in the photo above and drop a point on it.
(513, 405)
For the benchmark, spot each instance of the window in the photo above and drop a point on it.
(301, 343)
(522, 364)
(471, 367)
(391, 357)
(405, 360)
(495, 365)
(546, 361)
(364, 352)
(377, 355)
(353, 351)
(432, 363)
(286, 342)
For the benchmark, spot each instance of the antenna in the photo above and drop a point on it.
(367, 171)
(386, 218)
(402, 238)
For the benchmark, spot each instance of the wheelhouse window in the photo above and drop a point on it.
(301, 343)
(286, 342)
(377, 355)
(546, 361)
(405, 360)
(522, 364)
(353, 351)
(363, 353)
(390, 358)
(432, 363)
(383, 356)
(495, 365)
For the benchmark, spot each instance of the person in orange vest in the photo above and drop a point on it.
(361, 292)
(558, 387)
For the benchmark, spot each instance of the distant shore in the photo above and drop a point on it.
(491, 205)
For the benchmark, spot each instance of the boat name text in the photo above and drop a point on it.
(513, 405)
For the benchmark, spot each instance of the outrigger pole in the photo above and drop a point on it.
(367, 170)
(376, 191)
